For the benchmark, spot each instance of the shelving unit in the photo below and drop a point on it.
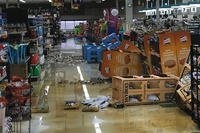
(195, 82)
(37, 40)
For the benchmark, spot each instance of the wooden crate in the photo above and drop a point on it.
(126, 70)
(135, 89)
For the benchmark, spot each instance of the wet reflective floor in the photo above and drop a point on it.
(131, 119)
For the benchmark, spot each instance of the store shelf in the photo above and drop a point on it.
(3, 77)
(34, 64)
(35, 77)
(32, 26)
(35, 39)
(21, 32)
(4, 34)
(3, 63)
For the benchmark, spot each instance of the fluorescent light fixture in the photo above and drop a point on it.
(50, 0)
(23, 1)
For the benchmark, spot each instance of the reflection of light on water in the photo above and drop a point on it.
(47, 90)
(41, 120)
(97, 128)
(85, 90)
(96, 123)
(87, 96)
(80, 73)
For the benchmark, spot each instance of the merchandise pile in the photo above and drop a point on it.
(90, 105)
(18, 99)
(56, 57)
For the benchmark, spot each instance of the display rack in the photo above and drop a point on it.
(195, 81)
(18, 105)
(56, 27)
(36, 29)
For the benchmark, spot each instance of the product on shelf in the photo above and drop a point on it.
(18, 100)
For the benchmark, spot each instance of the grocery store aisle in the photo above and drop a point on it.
(132, 119)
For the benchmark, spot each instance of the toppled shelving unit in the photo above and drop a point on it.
(183, 97)
(133, 90)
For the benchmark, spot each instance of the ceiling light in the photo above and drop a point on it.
(22, 1)
(50, 0)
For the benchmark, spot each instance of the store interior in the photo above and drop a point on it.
(99, 66)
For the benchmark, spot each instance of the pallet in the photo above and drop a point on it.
(139, 88)
(120, 64)
(109, 70)
(121, 58)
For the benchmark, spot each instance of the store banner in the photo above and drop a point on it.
(168, 54)
(183, 42)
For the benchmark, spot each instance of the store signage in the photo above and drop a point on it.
(167, 41)
(183, 39)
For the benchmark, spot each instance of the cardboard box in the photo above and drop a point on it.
(168, 53)
(183, 42)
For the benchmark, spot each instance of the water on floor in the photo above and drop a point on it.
(132, 119)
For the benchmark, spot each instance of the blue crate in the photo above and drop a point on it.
(84, 49)
(107, 40)
(93, 53)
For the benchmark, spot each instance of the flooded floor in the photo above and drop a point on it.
(131, 119)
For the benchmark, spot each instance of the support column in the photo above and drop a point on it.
(147, 4)
(129, 14)
(117, 5)
(157, 12)
(18, 4)
(6, 3)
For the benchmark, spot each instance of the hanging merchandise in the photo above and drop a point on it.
(16, 54)
(42, 60)
(37, 71)
(33, 33)
(35, 59)
(111, 16)
(39, 30)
